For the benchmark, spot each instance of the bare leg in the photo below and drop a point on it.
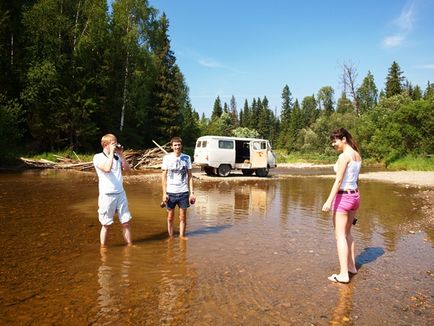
(126, 230)
(170, 217)
(182, 222)
(341, 220)
(103, 235)
(351, 246)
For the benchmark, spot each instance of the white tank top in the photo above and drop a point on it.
(351, 174)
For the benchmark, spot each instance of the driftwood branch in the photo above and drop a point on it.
(146, 159)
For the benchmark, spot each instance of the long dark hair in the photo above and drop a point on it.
(340, 134)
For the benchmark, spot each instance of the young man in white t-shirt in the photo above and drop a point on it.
(109, 165)
(177, 182)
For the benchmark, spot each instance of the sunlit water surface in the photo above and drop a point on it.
(258, 253)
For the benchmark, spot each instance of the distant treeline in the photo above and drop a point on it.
(74, 70)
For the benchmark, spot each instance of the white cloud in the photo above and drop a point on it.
(404, 24)
(405, 20)
(210, 63)
(427, 66)
(393, 41)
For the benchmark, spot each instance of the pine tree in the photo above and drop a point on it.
(217, 109)
(245, 117)
(233, 111)
(325, 99)
(344, 105)
(394, 80)
(285, 116)
(167, 115)
(429, 91)
(367, 94)
(309, 111)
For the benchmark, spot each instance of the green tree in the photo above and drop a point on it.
(394, 80)
(309, 111)
(416, 94)
(285, 117)
(429, 91)
(217, 109)
(295, 125)
(265, 120)
(168, 90)
(344, 105)
(367, 94)
(11, 118)
(245, 133)
(325, 99)
(233, 111)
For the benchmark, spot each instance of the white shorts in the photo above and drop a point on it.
(108, 204)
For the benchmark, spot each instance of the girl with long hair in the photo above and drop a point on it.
(344, 200)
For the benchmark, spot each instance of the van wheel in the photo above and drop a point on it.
(224, 170)
(247, 171)
(209, 170)
(263, 172)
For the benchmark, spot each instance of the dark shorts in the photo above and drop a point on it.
(181, 199)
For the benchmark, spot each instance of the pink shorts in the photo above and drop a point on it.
(346, 202)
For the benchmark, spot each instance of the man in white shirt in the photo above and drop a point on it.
(177, 182)
(112, 197)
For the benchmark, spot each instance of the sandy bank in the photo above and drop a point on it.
(405, 178)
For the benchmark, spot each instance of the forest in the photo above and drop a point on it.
(73, 70)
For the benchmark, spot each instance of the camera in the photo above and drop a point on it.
(163, 204)
(119, 146)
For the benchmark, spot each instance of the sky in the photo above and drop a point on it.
(253, 48)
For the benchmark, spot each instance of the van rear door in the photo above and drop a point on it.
(258, 154)
(200, 152)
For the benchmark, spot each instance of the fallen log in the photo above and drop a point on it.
(150, 158)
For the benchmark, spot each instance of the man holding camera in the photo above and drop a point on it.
(177, 183)
(112, 197)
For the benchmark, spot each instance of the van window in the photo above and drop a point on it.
(204, 143)
(226, 144)
(199, 143)
(259, 145)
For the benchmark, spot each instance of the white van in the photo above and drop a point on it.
(219, 155)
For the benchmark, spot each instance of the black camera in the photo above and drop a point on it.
(163, 204)
(119, 146)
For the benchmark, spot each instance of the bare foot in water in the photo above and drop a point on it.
(352, 270)
(182, 237)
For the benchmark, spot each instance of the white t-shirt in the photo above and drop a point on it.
(109, 182)
(177, 172)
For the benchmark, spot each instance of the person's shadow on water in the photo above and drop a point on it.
(368, 255)
(208, 229)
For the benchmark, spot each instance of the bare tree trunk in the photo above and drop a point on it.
(12, 50)
(124, 97)
(349, 84)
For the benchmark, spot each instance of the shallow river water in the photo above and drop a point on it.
(258, 253)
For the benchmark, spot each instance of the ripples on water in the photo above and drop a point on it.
(259, 253)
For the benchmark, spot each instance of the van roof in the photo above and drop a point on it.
(229, 138)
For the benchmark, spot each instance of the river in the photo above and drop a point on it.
(258, 253)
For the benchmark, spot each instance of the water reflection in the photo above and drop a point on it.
(259, 253)
(233, 202)
(344, 306)
(112, 279)
(173, 288)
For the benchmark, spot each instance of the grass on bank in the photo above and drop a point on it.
(295, 157)
(413, 163)
(410, 163)
(53, 156)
